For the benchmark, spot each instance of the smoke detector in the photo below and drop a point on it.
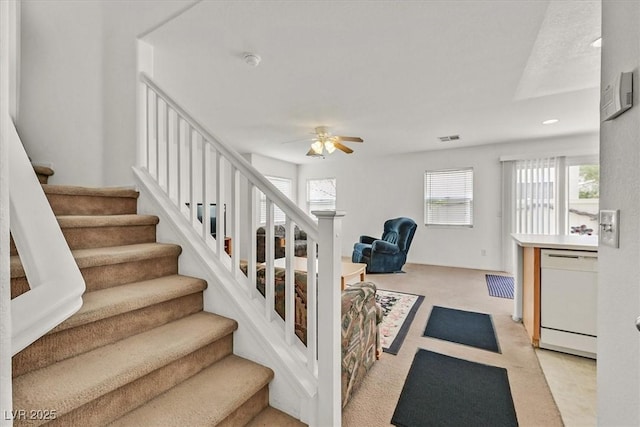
(252, 59)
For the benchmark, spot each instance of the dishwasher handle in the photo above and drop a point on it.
(569, 260)
(563, 256)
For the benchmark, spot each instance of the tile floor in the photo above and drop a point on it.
(572, 380)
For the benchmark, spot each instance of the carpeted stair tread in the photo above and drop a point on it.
(207, 398)
(70, 200)
(43, 170)
(110, 302)
(71, 190)
(73, 382)
(86, 258)
(270, 416)
(86, 221)
(43, 173)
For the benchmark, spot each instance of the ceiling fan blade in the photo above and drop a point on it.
(307, 139)
(351, 138)
(342, 148)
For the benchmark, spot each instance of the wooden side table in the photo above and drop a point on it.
(349, 269)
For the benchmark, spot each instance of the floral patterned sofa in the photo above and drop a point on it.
(361, 316)
(299, 244)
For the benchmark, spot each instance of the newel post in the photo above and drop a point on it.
(329, 315)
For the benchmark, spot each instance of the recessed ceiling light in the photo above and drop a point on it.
(550, 121)
(597, 42)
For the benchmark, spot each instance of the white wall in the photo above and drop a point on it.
(619, 269)
(60, 118)
(278, 168)
(372, 190)
(123, 23)
(77, 107)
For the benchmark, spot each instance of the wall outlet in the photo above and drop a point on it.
(610, 228)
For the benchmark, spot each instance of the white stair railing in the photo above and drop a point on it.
(56, 285)
(195, 170)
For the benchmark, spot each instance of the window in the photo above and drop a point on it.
(282, 184)
(321, 194)
(448, 197)
(535, 198)
(583, 198)
(557, 195)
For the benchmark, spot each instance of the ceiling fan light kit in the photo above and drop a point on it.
(324, 141)
(317, 147)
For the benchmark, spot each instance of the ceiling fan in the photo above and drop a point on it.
(325, 142)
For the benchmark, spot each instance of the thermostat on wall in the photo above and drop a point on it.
(617, 97)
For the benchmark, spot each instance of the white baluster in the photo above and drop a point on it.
(289, 285)
(179, 163)
(234, 215)
(147, 118)
(253, 220)
(206, 202)
(157, 126)
(193, 205)
(269, 258)
(167, 145)
(312, 307)
(220, 200)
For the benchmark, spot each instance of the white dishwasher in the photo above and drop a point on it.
(568, 301)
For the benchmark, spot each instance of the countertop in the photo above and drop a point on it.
(572, 242)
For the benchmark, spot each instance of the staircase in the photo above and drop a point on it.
(141, 351)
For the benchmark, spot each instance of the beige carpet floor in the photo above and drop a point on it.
(374, 403)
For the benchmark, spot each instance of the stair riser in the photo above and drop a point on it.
(61, 345)
(64, 204)
(115, 404)
(107, 276)
(249, 409)
(19, 286)
(103, 237)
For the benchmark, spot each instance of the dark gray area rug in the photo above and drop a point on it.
(462, 327)
(445, 391)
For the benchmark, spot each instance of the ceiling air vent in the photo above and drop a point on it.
(449, 138)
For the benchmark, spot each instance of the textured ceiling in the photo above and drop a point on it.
(397, 73)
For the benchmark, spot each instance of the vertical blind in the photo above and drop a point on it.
(321, 194)
(536, 203)
(448, 197)
(282, 184)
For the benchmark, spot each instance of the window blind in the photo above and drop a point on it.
(321, 194)
(536, 196)
(448, 197)
(282, 184)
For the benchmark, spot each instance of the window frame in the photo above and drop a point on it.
(262, 200)
(428, 175)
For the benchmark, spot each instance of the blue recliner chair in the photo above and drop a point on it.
(389, 253)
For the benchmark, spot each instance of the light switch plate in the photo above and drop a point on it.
(610, 228)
